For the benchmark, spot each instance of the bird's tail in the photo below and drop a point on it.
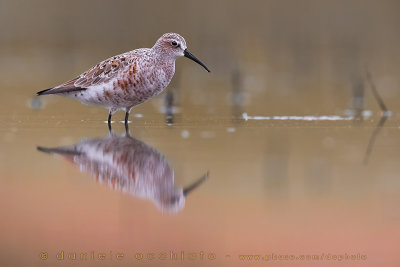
(62, 89)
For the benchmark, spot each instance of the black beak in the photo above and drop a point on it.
(195, 59)
(191, 187)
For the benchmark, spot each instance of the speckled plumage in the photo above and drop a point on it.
(128, 79)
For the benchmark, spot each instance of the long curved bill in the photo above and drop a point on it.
(193, 186)
(195, 59)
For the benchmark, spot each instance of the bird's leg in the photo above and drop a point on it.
(126, 116)
(126, 119)
(127, 131)
(126, 127)
(109, 121)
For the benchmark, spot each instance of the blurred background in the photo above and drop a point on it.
(311, 185)
(284, 53)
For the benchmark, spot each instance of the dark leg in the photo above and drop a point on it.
(127, 129)
(126, 122)
(109, 121)
(126, 117)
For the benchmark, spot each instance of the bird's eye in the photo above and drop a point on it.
(174, 43)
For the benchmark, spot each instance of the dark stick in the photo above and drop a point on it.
(376, 94)
(373, 138)
(381, 121)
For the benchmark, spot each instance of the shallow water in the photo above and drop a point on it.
(301, 158)
(274, 186)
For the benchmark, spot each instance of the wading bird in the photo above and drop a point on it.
(128, 79)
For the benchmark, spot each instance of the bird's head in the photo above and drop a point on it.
(171, 203)
(172, 199)
(173, 45)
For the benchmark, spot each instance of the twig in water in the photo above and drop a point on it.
(376, 94)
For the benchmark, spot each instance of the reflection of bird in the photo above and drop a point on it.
(129, 165)
(128, 79)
